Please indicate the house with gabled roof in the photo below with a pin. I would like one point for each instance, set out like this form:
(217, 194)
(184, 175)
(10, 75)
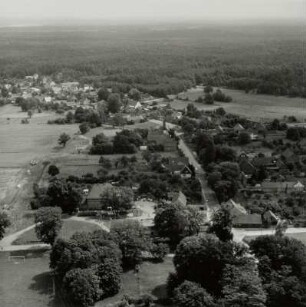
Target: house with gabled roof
(179, 166)
(179, 198)
(238, 128)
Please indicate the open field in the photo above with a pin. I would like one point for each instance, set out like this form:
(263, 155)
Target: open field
(26, 283)
(22, 142)
(68, 229)
(250, 105)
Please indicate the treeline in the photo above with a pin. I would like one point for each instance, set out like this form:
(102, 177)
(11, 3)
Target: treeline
(141, 58)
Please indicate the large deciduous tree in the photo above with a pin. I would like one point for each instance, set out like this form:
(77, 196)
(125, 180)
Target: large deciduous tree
(63, 139)
(48, 224)
(175, 222)
(132, 240)
(190, 294)
(222, 224)
(82, 286)
(114, 103)
(4, 223)
(242, 286)
(202, 259)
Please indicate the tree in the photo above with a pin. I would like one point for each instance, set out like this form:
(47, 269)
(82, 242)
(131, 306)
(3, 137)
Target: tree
(208, 89)
(120, 199)
(4, 223)
(82, 286)
(244, 138)
(64, 195)
(190, 294)
(53, 170)
(63, 139)
(106, 163)
(132, 240)
(242, 286)
(83, 250)
(114, 103)
(282, 251)
(225, 190)
(208, 155)
(293, 134)
(175, 222)
(203, 258)
(209, 99)
(84, 128)
(134, 94)
(159, 251)
(222, 224)
(109, 274)
(103, 94)
(69, 117)
(48, 224)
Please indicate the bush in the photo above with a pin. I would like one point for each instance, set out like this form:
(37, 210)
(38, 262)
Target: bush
(82, 286)
(159, 251)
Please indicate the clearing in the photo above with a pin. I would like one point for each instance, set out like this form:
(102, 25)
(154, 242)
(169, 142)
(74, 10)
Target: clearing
(250, 105)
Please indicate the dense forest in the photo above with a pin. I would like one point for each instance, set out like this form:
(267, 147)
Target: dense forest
(161, 60)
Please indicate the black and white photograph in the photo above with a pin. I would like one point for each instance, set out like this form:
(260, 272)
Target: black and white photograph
(153, 153)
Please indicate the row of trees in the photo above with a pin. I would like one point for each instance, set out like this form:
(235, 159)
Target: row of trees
(125, 142)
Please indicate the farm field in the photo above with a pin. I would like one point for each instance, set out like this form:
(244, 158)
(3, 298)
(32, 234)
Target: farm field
(69, 228)
(250, 105)
(21, 143)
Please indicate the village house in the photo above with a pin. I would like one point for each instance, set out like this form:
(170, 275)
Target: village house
(179, 198)
(94, 200)
(241, 219)
(271, 164)
(238, 128)
(248, 221)
(179, 166)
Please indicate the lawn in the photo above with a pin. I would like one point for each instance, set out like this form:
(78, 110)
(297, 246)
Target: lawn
(28, 283)
(250, 105)
(68, 229)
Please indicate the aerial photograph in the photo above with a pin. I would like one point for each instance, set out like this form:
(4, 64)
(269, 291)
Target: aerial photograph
(153, 153)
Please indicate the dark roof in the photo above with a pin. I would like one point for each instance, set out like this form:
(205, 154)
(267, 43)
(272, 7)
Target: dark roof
(249, 219)
(97, 190)
(247, 167)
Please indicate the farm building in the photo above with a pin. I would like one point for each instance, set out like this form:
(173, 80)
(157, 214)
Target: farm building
(247, 221)
(93, 200)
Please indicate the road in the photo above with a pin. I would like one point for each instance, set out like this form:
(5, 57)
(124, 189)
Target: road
(240, 233)
(6, 244)
(208, 194)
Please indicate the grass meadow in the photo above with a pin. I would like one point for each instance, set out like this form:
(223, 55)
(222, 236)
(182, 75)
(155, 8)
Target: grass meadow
(250, 105)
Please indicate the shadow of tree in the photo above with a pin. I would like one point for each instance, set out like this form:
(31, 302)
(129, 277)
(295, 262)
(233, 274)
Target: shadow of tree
(42, 283)
(160, 292)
